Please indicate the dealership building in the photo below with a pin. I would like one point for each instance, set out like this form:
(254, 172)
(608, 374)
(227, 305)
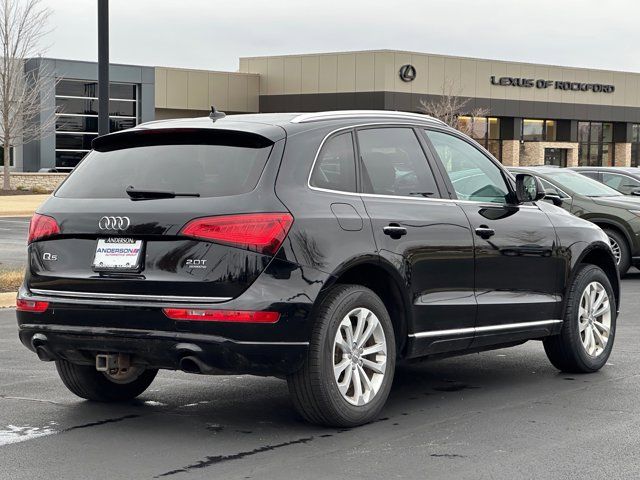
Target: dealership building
(526, 114)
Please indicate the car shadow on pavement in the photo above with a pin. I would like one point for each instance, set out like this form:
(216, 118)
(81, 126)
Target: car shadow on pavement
(253, 404)
(223, 419)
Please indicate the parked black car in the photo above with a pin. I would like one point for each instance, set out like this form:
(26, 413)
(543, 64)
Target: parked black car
(323, 248)
(625, 180)
(618, 215)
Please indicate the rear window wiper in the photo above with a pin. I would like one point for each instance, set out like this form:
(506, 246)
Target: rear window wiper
(141, 194)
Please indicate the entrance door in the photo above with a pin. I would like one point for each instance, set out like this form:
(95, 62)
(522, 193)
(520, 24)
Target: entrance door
(555, 156)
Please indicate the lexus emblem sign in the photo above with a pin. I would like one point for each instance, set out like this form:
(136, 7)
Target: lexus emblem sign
(407, 73)
(114, 223)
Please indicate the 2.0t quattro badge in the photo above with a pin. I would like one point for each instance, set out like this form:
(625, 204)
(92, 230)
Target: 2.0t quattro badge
(114, 223)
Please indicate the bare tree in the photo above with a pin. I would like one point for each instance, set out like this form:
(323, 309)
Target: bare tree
(450, 106)
(23, 25)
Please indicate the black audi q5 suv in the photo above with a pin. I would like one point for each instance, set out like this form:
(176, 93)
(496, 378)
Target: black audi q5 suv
(323, 248)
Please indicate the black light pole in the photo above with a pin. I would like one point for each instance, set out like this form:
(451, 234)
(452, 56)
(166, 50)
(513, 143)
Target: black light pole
(103, 67)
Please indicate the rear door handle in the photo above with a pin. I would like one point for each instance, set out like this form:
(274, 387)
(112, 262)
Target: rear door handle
(485, 232)
(394, 230)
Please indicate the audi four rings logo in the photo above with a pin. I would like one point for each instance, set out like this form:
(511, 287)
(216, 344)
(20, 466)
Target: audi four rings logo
(114, 223)
(407, 73)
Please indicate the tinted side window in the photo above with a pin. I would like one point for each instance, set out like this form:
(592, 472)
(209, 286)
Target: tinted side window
(622, 183)
(335, 168)
(473, 176)
(593, 175)
(394, 163)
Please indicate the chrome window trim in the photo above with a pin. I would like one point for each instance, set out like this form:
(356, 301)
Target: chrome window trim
(488, 328)
(377, 195)
(346, 114)
(129, 296)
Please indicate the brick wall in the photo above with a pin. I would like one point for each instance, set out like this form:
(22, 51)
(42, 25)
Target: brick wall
(40, 181)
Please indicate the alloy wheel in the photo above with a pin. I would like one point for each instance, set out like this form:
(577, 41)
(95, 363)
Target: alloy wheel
(594, 318)
(359, 356)
(616, 250)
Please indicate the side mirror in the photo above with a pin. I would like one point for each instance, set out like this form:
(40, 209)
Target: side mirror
(554, 197)
(528, 188)
(636, 192)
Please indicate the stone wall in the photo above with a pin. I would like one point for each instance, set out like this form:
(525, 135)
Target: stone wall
(510, 153)
(43, 182)
(623, 154)
(532, 153)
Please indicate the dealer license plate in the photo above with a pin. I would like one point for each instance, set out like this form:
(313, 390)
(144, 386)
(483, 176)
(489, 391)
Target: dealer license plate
(117, 254)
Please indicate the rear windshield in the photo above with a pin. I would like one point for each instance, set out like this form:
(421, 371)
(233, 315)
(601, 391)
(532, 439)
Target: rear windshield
(208, 170)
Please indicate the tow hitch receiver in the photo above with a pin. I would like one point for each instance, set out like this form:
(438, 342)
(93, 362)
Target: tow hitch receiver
(108, 362)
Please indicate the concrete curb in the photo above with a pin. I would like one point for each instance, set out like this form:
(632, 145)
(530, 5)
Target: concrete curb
(8, 299)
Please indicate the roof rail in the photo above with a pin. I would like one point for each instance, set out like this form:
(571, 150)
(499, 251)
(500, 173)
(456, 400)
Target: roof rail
(342, 114)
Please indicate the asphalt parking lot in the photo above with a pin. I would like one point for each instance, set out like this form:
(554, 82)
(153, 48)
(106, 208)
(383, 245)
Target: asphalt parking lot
(501, 414)
(13, 241)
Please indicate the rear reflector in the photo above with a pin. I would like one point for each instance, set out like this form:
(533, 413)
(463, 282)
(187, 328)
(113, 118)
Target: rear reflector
(34, 306)
(41, 227)
(238, 316)
(260, 232)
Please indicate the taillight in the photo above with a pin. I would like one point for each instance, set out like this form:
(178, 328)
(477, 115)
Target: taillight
(34, 306)
(260, 232)
(42, 226)
(238, 316)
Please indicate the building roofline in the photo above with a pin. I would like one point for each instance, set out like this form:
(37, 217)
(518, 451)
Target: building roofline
(440, 55)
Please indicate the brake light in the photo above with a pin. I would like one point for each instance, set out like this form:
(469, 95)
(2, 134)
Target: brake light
(237, 316)
(34, 306)
(260, 232)
(41, 227)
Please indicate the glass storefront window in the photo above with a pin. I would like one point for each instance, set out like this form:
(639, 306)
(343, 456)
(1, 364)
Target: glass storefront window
(494, 128)
(484, 130)
(479, 128)
(607, 132)
(583, 132)
(11, 164)
(607, 155)
(635, 145)
(596, 147)
(533, 130)
(550, 131)
(596, 132)
(77, 116)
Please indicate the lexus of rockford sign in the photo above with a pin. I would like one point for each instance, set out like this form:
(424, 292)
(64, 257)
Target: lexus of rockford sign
(556, 84)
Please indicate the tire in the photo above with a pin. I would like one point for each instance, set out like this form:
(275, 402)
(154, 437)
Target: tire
(567, 351)
(618, 239)
(86, 382)
(314, 388)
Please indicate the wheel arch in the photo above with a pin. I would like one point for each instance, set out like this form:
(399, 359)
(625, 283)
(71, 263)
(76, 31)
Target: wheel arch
(614, 225)
(384, 281)
(600, 255)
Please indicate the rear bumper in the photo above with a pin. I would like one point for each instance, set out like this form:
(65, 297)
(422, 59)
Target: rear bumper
(209, 354)
(76, 329)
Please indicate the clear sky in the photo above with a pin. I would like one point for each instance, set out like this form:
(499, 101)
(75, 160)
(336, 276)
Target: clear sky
(212, 34)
